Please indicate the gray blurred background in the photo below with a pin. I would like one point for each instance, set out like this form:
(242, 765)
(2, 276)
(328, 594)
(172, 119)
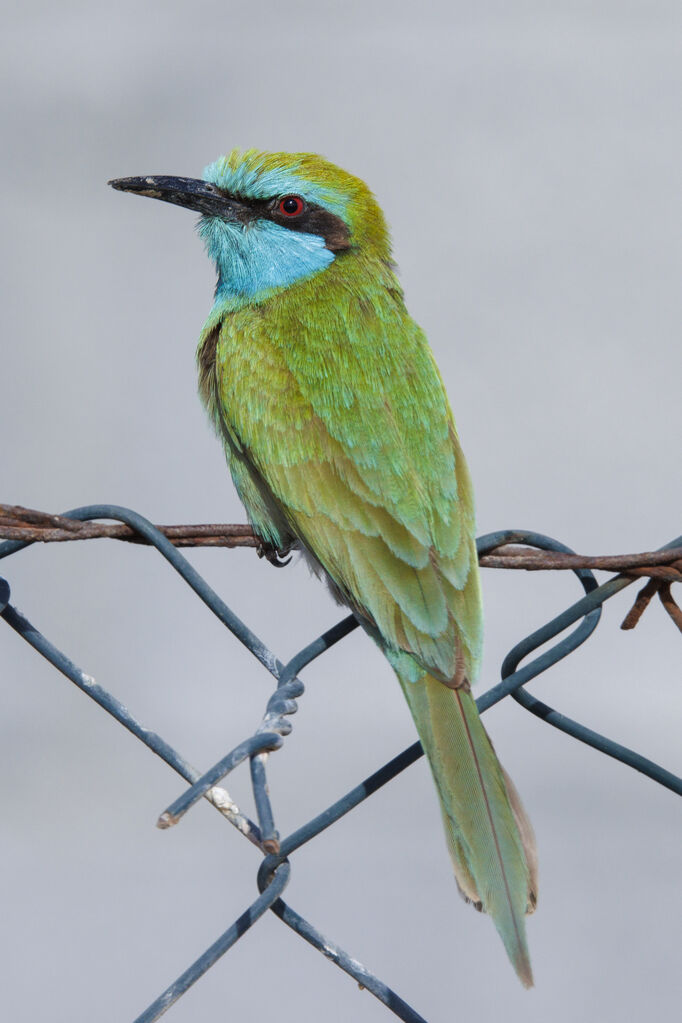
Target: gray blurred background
(528, 159)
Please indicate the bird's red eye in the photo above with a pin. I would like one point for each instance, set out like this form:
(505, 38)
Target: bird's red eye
(291, 206)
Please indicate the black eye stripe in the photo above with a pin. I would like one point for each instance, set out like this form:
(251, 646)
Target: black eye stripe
(311, 220)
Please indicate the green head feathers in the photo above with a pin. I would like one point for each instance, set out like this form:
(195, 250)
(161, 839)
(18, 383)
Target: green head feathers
(252, 174)
(270, 219)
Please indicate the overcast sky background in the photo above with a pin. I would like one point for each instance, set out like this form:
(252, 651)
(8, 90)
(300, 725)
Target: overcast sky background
(528, 159)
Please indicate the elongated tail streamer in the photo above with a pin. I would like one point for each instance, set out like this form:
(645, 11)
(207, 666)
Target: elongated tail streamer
(490, 839)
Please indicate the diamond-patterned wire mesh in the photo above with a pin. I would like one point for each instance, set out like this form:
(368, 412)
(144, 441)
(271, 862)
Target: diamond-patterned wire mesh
(519, 668)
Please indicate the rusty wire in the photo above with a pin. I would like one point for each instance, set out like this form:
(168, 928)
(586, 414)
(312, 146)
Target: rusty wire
(661, 567)
(510, 549)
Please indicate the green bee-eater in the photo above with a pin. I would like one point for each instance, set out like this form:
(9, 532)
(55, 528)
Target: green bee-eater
(341, 442)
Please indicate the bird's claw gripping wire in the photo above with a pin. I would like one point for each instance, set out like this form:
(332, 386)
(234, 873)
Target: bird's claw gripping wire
(276, 556)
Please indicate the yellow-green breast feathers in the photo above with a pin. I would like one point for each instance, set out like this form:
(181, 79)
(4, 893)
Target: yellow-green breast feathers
(333, 392)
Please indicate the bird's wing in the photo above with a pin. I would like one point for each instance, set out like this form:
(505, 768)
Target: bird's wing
(344, 416)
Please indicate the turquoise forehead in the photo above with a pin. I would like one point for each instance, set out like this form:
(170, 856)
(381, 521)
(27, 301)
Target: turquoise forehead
(254, 179)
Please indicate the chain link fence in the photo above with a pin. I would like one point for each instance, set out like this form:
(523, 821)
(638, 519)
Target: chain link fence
(508, 549)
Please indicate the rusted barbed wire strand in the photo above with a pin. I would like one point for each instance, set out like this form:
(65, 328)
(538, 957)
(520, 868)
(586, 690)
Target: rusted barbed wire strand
(18, 523)
(660, 567)
(641, 604)
(670, 605)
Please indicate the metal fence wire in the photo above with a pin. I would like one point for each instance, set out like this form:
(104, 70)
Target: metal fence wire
(662, 568)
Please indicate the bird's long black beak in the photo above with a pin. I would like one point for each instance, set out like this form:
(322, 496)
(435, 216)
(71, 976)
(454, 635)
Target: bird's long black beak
(191, 193)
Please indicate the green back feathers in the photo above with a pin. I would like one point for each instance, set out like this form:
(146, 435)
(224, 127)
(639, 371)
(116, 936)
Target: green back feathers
(332, 390)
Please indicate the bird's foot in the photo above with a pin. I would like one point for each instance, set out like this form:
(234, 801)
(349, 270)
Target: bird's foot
(277, 556)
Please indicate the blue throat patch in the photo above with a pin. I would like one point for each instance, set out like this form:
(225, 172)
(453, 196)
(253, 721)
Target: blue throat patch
(260, 256)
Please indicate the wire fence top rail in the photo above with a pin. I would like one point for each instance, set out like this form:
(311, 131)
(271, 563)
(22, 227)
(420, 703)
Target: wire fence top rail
(508, 549)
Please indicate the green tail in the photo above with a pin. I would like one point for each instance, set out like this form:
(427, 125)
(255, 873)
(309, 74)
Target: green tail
(488, 834)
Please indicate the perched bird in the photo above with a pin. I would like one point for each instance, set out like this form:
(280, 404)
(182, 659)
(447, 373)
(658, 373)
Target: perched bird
(341, 442)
